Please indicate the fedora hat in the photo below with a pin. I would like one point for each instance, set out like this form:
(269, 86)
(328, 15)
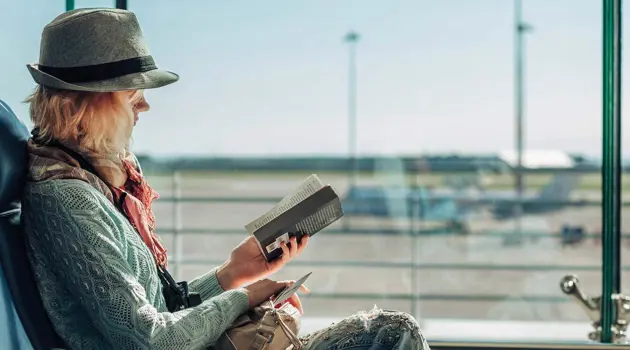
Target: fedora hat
(97, 50)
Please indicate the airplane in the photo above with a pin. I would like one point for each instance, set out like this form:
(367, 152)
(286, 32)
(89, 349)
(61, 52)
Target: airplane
(551, 198)
(455, 210)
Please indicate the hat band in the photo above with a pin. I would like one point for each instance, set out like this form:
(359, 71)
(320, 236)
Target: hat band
(101, 71)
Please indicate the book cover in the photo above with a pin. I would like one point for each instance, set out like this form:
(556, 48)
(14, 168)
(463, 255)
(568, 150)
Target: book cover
(311, 207)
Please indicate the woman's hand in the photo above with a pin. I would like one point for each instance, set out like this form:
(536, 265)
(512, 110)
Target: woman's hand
(264, 289)
(247, 263)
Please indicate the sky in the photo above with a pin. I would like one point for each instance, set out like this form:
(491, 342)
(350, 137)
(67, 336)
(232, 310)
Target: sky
(270, 77)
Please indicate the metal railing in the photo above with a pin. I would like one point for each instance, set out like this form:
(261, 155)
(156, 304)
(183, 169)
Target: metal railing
(177, 260)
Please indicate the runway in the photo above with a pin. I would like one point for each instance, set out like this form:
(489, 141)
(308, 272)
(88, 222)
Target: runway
(483, 275)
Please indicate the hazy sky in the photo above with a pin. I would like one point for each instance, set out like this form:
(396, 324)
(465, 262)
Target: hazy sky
(269, 77)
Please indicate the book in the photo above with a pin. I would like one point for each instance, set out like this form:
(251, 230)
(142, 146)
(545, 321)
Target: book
(308, 209)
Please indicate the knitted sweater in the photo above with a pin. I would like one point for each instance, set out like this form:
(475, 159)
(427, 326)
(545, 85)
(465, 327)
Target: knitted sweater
(98, 281)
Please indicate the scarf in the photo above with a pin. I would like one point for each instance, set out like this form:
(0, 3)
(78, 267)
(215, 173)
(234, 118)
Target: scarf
(118, 178)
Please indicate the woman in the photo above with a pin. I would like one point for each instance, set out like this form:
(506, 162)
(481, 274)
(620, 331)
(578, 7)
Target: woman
(87, 210)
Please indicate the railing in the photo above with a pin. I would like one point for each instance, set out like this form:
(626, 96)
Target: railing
(177, 260)
(435, 329)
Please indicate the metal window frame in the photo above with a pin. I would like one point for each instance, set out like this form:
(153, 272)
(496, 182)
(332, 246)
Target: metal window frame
(120, 4)
(611, 167)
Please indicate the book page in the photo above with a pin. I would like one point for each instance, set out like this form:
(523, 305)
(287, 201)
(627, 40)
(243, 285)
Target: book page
(309, 186)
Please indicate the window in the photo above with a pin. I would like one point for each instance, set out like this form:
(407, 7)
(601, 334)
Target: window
(411, 112)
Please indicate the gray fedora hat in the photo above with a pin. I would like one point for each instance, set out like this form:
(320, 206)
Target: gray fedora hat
(98, 50)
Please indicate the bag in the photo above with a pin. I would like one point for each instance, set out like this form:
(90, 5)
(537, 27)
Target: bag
(263, 328)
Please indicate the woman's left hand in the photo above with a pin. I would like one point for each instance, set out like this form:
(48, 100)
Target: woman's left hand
(294, 299)
(247, 263)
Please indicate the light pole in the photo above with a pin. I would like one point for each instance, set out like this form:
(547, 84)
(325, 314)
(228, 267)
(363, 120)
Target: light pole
(352, 38)
(521, 28)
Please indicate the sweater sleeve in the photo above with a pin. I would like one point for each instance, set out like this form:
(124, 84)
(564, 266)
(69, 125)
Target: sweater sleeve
(207, 285)
(89, 243)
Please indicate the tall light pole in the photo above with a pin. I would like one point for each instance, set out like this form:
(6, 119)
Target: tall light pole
(352, 38)
(521, 28)
(121, 4)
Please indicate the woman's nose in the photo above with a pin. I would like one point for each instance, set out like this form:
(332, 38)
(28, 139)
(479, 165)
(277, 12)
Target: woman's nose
(142, 106)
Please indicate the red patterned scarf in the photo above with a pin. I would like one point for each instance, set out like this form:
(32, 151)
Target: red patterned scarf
(120, 180)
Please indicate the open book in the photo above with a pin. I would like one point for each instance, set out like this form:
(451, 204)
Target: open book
(311, 207)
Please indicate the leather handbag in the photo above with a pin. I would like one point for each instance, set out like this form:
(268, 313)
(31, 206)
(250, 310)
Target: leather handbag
(264, 328)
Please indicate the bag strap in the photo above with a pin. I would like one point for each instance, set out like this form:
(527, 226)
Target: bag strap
(266, 330)
(295, 341)
(264, 333)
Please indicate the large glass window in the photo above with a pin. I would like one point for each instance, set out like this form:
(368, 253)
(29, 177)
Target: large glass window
(429, 102)
(413, 112)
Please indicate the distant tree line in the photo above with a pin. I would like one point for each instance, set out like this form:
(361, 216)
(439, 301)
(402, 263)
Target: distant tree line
(447, 164)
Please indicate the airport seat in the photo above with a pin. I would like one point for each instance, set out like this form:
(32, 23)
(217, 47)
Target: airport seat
(14, 264)
(12, 335)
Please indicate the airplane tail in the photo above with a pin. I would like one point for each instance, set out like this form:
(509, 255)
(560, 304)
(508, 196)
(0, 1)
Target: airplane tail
(550, 198)
(553, 195)
(560, 187)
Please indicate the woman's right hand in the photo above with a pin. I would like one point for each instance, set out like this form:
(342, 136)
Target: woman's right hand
(264, 289)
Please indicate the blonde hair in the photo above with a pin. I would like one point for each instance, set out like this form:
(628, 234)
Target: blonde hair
(98, 121)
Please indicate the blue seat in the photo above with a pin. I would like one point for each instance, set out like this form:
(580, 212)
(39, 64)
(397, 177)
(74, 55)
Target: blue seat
(15, 271)
(12, 335)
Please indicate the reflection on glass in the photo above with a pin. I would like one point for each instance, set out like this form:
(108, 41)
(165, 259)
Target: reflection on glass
(433, 224)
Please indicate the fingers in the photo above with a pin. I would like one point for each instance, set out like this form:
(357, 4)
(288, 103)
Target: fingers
(303, 243)
(304, 289)
(261, 290)
(291, 252)
(269, 282)
(280, 285)
(295, 301)
(286, 253)
(269, 289)
(274, 287)
(294, 246)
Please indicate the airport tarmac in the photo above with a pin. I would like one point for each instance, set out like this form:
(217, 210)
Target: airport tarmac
(482, 275)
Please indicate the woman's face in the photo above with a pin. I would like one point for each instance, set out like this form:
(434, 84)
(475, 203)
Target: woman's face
(138, 103)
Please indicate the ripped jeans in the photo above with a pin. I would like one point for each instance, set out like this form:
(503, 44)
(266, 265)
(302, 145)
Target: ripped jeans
(372, 330)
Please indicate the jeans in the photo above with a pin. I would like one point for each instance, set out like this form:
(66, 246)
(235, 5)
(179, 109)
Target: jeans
(372, 330)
